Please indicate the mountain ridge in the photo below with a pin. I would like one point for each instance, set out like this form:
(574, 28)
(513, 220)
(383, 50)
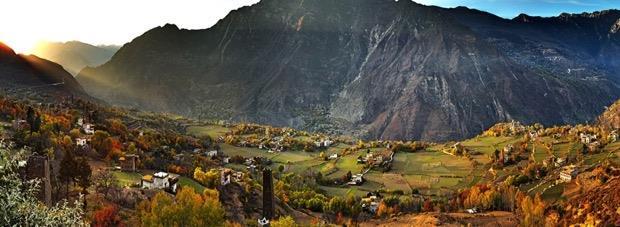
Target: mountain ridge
(28, 73)
(75, 55)
(417, 72)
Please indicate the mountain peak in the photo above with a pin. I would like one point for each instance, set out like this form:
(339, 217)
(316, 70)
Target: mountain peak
(6, 50)
(170, 26)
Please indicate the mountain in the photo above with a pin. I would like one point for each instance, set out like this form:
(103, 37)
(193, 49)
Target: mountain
(409, 72)
(74, 55)
(26, 74)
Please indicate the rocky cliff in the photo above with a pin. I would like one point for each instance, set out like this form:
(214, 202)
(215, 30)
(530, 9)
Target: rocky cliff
(375, 68)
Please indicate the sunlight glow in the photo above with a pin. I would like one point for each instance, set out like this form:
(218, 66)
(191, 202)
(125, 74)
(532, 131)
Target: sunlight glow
(23, 23)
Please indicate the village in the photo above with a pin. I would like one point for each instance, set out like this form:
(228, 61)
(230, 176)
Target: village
(411, 174)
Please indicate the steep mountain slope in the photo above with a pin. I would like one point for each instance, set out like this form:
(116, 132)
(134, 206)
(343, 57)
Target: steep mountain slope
(409, 72)
(610, 119)
(20, 74)
(74, 55)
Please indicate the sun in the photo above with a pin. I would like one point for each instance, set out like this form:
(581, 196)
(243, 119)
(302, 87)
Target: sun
(23, 45)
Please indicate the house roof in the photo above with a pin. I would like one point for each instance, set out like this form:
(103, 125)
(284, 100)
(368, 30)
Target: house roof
(161, 175)
(148, 178)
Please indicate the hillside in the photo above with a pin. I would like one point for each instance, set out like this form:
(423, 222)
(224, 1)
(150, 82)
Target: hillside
(21, 74)
(412, 72)
(74, 56)
(610, 119)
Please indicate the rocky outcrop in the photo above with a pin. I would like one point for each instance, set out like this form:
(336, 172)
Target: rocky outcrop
(409, 72)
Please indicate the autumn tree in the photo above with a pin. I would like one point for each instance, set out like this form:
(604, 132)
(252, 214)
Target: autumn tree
(286, 221)
(533, 211)
(104, 179)
(209, 179)
(107, 216)
(98, 141)
(187, 208)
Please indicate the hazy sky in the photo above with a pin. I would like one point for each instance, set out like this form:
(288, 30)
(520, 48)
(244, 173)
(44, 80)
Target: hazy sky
(24, 22)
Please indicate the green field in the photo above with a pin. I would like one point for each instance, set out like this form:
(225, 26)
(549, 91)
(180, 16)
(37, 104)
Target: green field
(488, 144)
(431, 163)
(540, 153)
(293, 156)
(340, 191)
(187, 182)
(212, 131)
(246, 152)
(126, 178)
(346, 164)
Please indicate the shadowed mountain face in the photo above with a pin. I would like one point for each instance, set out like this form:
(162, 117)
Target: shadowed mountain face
(20, 74)
(74, 56)
(377, 68)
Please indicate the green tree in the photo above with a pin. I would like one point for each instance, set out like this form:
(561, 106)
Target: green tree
(84, 173)
(20, 207)
(36, 124)
(337, 205)
(68, 168)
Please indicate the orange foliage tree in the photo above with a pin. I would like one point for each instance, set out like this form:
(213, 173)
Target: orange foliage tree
(106, 216)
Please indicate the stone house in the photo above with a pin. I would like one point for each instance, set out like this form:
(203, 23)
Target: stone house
(161, 180)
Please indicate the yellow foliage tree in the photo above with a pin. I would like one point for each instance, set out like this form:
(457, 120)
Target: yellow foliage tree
(187, 208)
(533, 211)
(284, 222)
(209, 179)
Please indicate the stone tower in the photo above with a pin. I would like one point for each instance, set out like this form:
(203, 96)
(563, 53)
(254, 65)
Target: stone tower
(268, 204)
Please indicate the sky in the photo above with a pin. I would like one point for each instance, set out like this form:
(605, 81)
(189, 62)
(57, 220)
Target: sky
(23, 23)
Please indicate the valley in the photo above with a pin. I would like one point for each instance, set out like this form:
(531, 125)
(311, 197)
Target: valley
(295, 113)
(312, 171)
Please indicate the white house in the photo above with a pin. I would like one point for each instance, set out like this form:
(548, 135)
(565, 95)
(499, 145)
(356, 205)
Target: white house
(472, 210)
(587, 138)
(333, 156)
(356, 179)
(81, 142)
(212, 153)
(370, 203)
(568, 173)
(80, 122)
(160, 180)
(89, 129)
(323, 143)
